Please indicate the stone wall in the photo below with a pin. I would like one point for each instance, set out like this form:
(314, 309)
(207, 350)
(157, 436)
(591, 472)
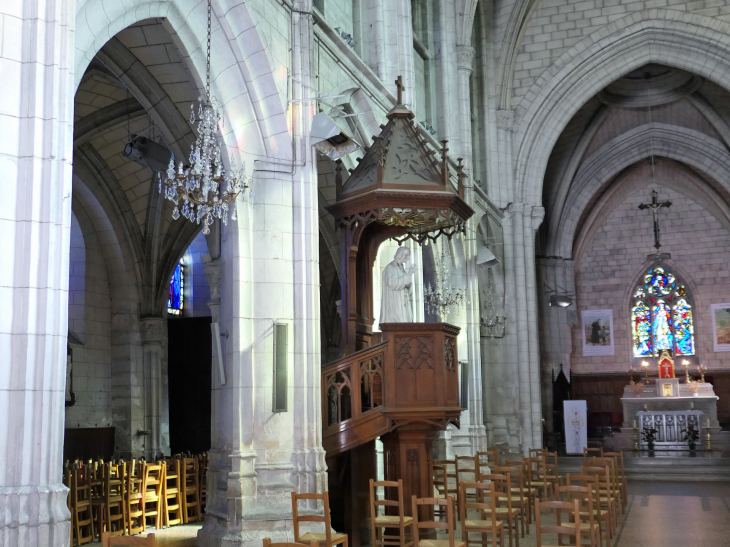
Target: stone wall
(90, 323)
(557, 25)
(196, 290)
(608, 271)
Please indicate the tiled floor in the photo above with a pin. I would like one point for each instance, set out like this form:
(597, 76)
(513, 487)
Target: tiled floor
(663, 514)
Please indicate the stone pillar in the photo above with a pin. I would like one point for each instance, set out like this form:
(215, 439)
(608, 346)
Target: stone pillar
(36, 111)
(554, 326)
(269, 274)
(218, 461)
(157, 429)
(472, 436)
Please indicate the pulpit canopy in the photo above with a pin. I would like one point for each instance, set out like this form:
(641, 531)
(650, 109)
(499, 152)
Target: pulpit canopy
(401, 183)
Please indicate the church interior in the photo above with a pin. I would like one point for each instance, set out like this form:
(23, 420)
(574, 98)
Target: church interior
(416, 273)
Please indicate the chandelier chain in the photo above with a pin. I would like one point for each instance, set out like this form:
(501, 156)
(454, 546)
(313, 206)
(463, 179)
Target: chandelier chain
(207, 58)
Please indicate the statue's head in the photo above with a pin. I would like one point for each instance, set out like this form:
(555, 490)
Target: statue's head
(402, 255)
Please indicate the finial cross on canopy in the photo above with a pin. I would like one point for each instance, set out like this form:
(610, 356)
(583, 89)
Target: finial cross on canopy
(655, 205)
(400, 86)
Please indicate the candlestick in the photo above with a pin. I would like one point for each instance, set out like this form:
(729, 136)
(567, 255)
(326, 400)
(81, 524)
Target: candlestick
(686, 370)
(645, 364)
(703, 369)
(634, 424)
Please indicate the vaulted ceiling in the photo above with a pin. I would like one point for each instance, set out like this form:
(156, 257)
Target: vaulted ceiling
(137, 84)
(670, 120)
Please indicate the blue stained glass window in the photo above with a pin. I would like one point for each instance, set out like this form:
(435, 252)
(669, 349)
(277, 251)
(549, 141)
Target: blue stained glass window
(661, 315)
(683, 328)
(641, 323)
(175, 293)
(662, 327)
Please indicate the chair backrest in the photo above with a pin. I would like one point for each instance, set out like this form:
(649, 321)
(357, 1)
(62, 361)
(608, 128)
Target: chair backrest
(604, 476)
(619, 459)
(375, 502)
(571, 508)
(590, 452)
(516, 477)
(584, 494)
(107, 540)
(297, 518)
(446, 476)
(613, 467)
(583, 480)
(489, 456)
(152, 479)
(486, 500)
(551, 463)
(467, 468)
(419, 525)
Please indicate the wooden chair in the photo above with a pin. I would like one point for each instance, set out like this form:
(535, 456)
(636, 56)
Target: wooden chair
(537, 477)
(82, 521)
(443, 483)
(107, 540)
(486, 504)
(467, 470)
(520, 497)
(606, 497)
(589, 452)
(172, 509)
(379, 523)
(190, 491)
(431, 504)
(502, 485)
(133, 494)
(552, 472)
(153, 478)
(615, 480)
(529, 491)
(110, 502)
(586, 518)
(267, 543)
(618, 457)
(489, 456)
(601, 516)
(571, 508)
(328, 539)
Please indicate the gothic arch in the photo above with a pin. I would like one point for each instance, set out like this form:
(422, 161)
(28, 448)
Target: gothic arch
(702, 153)
(242, 76)
(653, 36)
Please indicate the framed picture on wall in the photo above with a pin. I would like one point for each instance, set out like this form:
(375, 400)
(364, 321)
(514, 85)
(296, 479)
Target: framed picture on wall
(721, 326)
(597, 332)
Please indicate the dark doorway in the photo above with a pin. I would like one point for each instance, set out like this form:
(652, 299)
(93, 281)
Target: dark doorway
(189, 381)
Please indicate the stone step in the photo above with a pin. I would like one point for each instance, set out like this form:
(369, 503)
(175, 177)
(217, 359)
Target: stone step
(672, 467)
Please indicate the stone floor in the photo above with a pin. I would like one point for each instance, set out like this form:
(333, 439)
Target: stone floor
(659, 514)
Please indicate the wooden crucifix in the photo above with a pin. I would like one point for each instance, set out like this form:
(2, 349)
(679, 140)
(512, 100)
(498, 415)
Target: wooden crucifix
(655, 205)
(400, 86)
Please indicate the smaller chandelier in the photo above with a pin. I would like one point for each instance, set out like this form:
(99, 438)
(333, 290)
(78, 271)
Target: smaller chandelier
(492, 319)
(442, 297)
(204, 191)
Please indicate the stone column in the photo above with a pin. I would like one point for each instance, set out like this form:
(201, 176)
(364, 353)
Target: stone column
(270, 275)
(157, 436)
(36, 111)
(554, 326)
(472, 436)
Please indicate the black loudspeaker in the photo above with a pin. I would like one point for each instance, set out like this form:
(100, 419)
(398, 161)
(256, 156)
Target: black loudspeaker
(281, 383)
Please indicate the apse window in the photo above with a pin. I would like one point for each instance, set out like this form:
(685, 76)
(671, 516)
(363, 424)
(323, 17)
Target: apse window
(175, 293)
(661, 315)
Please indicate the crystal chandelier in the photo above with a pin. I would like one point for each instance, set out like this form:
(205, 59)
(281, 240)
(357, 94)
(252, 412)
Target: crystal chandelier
(492, 318)
(204, 191)
(442, 297)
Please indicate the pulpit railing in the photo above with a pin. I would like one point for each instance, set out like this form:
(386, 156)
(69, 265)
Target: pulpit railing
(353, 386)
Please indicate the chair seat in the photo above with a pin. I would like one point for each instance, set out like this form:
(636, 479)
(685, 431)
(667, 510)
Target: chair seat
(515, 499)
(392, 519)
(440, 543)
(481, 524)
(313, 536)
(583, 525)
(505, 511)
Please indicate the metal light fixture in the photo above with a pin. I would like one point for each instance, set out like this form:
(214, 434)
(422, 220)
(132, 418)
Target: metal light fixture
(329, 139)
(560, 298)
(442, 297)
(204, 191)
(486, 258)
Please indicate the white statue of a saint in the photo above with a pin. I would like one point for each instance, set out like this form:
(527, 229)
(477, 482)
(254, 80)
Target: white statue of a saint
(395, 306)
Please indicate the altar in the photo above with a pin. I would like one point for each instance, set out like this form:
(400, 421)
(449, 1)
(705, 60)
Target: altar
(670, 411)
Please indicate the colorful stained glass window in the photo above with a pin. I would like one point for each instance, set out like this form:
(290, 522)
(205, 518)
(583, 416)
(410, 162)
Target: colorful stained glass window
(661, 327)
(641, 323)
(175, 293)
(683, 328)
(659, 282)
(661, 315)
